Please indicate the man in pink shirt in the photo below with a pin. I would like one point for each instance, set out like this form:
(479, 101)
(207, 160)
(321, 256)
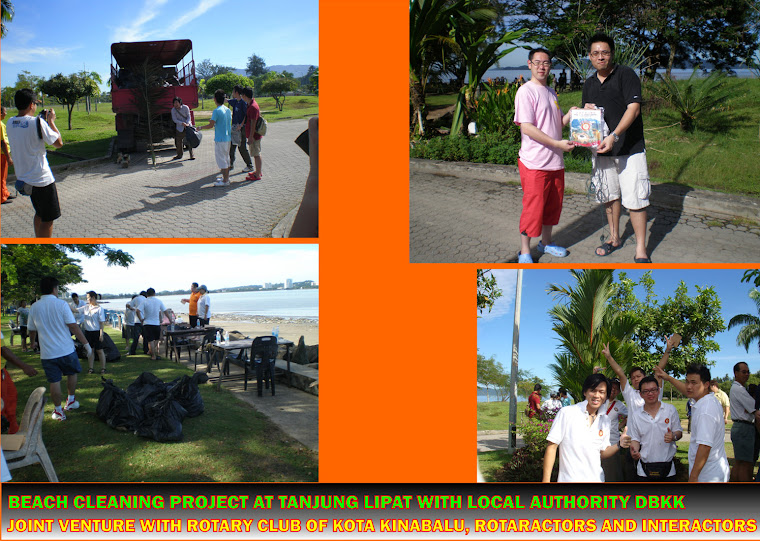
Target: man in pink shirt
(541, 164)
(254, 139)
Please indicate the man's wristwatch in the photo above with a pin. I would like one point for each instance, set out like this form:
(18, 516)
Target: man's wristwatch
(616, 136)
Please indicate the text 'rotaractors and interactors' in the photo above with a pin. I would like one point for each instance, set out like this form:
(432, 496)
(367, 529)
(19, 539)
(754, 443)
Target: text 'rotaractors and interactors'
(340, 503)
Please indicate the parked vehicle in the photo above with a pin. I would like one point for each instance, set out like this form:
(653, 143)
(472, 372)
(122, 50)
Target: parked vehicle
(172, 74)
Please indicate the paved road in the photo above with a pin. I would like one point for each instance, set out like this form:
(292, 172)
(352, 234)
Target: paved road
(176, 198)
(458, 216)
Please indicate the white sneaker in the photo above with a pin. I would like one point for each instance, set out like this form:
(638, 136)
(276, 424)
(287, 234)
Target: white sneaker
(248, 169)
(58, 416)
(221, 183)
(71, 405)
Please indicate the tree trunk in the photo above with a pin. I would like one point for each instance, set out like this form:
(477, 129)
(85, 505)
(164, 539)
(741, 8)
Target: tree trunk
(418, 107)
(671, 58)
(71, 110)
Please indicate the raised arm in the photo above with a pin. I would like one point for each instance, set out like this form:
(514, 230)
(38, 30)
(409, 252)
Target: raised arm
(615, 366)
(660, 374)
(673, 342)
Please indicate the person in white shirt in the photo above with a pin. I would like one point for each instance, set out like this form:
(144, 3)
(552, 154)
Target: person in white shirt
(51, 319)
(77, 303)
(707, 454)
(745, 415)
(137, 304)
(617, 413)
(582, 433)
(631, 392)
(153, 311)
(30, 158)
(94, 326)
(204, 306)
(654, 431)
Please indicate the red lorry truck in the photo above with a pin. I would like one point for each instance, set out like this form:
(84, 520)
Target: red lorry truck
(173, 74)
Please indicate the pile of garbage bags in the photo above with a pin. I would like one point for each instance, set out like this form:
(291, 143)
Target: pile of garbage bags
(150, 407)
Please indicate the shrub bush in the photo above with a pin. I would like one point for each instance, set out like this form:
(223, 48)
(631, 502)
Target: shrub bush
(527, 463)
(485, 148)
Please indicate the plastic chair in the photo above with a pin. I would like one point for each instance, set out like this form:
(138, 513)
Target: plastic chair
(33, 451)
(202, 348)
(263, 355)
(14, 331)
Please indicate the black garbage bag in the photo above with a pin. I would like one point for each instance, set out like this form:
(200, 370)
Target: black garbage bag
(185, 391)
(163, 421)
(193, 136)
(147, 389)
(117, 409)
(110, 349)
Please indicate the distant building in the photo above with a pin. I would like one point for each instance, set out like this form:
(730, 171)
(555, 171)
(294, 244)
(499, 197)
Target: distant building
(268, 285)
(288, 283)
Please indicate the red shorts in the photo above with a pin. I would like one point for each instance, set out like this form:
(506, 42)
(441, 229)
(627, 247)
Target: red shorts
(542, 199)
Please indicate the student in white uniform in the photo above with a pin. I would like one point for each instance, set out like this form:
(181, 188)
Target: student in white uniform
(631, 392)
(582, 433)
(617, 413)
(94, 326)
(654, 431)
(743, 433)
(707, 454)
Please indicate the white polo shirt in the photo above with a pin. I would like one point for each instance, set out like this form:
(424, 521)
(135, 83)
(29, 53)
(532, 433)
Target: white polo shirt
(93, 315)
(152, 308)
(79, 316)
(650, 433)
(614, 410)
(50, 317)
(708, 428)
(742, 403)
(633, 398)
(580, 445)
(138, 303)
(204, 306)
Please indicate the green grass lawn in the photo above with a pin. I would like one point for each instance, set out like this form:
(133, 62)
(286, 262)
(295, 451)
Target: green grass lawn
(719, 155)
(495, 415)
(229, 442)
(90, 136)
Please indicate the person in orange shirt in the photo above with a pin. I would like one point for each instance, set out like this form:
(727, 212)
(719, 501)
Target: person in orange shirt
(195, 294)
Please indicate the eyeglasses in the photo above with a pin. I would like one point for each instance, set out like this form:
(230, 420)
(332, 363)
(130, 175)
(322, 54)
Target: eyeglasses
(650, 391)
(597, 54)
(545, 63)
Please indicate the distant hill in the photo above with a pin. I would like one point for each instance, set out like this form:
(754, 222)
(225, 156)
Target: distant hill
(298, 70)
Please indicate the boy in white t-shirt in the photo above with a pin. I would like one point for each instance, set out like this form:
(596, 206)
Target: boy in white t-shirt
(542, 167)
(30, 159)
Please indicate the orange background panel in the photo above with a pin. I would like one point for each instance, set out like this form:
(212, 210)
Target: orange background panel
(397, 385)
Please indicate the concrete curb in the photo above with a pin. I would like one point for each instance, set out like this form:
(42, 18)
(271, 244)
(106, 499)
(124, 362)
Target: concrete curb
(669, 195)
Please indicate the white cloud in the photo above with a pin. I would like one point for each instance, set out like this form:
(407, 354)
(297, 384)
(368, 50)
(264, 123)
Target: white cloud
(202, 7)
(136, 31)
(506, 280)
(35, 54)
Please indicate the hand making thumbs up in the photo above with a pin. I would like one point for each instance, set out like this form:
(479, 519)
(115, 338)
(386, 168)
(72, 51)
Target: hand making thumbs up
(669, 436)
(625, 439)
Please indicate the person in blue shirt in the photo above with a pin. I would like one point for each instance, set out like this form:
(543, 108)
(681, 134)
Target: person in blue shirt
(221, 121)
(239, 108)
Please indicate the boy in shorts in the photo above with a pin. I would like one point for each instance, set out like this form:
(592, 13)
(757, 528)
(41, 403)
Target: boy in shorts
(30, 158)
(541, 164)
(221, 121)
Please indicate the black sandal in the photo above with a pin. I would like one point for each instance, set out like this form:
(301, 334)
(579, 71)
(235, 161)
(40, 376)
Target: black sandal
(90, 371)
(607, 248)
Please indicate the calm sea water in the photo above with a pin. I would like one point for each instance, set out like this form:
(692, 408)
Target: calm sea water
(296, 303)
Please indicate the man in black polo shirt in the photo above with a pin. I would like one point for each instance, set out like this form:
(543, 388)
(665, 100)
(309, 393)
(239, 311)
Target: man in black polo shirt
(621, 164)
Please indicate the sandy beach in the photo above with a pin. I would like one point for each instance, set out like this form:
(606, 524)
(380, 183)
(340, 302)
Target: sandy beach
(290, 328)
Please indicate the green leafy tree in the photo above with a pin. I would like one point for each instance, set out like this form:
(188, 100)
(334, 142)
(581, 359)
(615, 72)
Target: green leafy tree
(6, 15)
(24, 265)
(227, 82)
(256, 66)
(314, 81)
(696, 318)
(488, 290)
(67, 89)
(752, 276)
(278, 87)
(207, 69)
(526, 382)
(585, 321)
(750, 324)
(489, 372)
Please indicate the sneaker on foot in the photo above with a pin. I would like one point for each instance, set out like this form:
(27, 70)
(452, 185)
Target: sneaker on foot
(247, 169)
(58, 416)
(71, 405)
(551, 249)
(221, 183)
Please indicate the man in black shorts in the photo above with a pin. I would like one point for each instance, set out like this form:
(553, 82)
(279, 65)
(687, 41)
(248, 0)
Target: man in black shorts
(28, 138)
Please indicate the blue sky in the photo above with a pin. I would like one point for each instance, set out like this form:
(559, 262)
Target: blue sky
(49, 37)
(538, 342)
(176, 266)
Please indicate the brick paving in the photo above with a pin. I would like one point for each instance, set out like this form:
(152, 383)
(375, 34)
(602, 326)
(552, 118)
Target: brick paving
(176, 198)
(456, 219)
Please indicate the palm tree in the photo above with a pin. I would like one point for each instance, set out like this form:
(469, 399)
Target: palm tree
(751, 324)
(6, 15)
(584, 322)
